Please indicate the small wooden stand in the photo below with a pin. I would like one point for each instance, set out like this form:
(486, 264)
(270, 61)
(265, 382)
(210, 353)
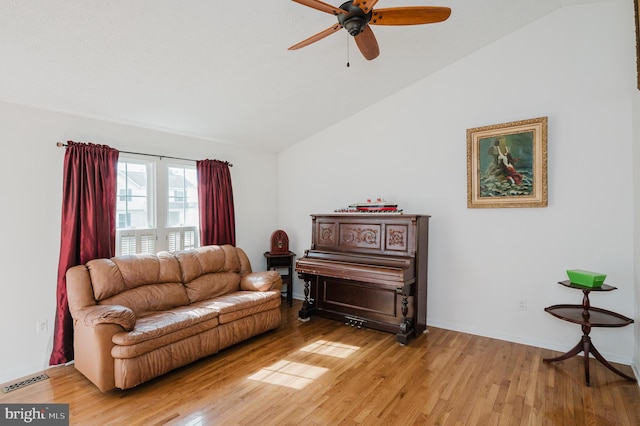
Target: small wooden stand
(285, 260)
(588, 317)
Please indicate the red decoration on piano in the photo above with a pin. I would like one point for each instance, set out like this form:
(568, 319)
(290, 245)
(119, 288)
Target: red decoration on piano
(378, 206)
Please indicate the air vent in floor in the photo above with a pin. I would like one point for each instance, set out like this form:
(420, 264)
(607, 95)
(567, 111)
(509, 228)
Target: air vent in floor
(24, 383)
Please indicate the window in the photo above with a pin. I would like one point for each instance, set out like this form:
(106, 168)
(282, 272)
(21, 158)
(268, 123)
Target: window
(182, 208)
(135, 202)
(157, 206)
(125, 194)
(124, 220)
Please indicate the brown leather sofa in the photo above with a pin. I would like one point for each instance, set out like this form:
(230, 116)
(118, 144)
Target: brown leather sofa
(137, 317)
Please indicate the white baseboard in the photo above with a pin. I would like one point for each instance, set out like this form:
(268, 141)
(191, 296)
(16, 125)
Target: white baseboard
(625, 360)
(617, 358)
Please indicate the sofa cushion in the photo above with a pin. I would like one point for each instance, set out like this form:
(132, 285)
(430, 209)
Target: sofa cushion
(161, 324)
(210, 271)
(241, 304)
(245, 264)
(231, 259)
(180, 336)
(112, 276)
(200, 261)
(211, 285)
(144, 283)
(233, 332)
(150, 298)
(206, 260)
(261, 281)
(142, 269)
(131, 371)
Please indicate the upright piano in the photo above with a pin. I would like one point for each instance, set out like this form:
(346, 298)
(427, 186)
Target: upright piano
(368, 270)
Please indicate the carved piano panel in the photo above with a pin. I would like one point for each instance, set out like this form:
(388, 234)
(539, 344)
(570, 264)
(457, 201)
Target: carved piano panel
(368, 270)
(384, 235)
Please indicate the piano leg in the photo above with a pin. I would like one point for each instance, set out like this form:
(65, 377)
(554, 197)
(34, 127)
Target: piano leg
(406, 326)
(308, 307)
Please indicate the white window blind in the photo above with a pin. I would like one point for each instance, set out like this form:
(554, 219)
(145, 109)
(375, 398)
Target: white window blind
(184, 238)
(132, 241)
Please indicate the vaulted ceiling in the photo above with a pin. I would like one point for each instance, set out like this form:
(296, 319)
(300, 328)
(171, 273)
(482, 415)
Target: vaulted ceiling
(221, 71)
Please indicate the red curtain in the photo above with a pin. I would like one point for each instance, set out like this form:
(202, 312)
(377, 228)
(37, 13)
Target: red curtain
(88, 226)
(215, 198)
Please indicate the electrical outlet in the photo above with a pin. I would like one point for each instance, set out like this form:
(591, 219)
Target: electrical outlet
(522, 305)
(42, 326)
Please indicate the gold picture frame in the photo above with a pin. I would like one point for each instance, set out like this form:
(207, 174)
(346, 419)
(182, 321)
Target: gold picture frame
(507, 165)
(637, 19)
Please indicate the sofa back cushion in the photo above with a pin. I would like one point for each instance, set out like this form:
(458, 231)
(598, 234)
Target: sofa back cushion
(144, 283)
(209, 271)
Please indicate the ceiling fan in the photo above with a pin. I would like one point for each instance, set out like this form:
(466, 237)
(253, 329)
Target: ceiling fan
(356, 16)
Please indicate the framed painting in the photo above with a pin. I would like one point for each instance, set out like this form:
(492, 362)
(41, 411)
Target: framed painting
(507, 165)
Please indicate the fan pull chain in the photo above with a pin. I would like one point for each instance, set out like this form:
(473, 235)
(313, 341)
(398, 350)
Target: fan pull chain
(348, 50)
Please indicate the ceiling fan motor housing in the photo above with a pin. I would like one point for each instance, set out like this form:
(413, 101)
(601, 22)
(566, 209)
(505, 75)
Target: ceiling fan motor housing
(355, 19)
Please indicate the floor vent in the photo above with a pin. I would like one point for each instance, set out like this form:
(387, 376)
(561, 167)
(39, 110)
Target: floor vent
(27, 382)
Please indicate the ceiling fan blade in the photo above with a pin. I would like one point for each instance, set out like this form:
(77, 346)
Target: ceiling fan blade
(321, 6)
(316, 37)
(365, 5)
(410, 15)
(367, 43)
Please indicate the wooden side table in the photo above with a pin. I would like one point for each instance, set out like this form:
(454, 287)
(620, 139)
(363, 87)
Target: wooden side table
(275, 261)
(588, 317)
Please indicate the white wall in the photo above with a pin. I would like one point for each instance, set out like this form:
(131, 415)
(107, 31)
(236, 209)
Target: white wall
(636, 223)
(31, 194)
(576, 66)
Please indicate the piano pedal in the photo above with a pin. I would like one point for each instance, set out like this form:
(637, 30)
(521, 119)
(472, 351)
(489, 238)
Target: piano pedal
(354, 321)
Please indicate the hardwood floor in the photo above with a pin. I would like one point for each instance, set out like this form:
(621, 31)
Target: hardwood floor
(324, 373)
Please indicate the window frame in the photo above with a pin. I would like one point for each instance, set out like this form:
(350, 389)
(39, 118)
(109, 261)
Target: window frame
(158, 209)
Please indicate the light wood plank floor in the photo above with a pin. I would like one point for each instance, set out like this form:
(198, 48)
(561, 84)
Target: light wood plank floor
(325, 373)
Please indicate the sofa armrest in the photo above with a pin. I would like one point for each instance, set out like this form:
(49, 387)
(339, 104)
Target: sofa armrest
(261, 281)
(107, 314)
(93, 330)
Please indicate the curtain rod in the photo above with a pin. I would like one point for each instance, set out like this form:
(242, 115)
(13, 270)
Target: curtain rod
(61, 144)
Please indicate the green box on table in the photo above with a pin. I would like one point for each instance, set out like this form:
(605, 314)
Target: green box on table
(586, 278)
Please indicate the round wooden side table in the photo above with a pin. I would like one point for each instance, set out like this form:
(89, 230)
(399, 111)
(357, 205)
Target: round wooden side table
(588, 316)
